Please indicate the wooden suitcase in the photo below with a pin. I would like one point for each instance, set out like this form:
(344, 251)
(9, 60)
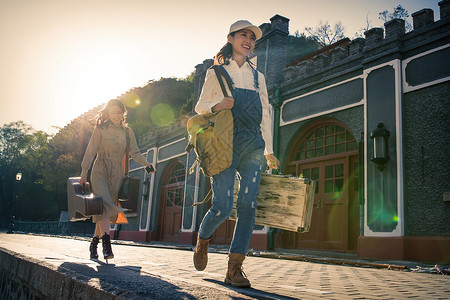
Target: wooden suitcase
(82, 204)
(284, 202)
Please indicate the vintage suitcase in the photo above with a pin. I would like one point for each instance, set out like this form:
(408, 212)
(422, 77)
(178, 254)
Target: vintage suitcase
(284, 202)
(82, 204)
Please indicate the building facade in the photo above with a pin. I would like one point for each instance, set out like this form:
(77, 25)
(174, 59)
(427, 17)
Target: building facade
(367, 119)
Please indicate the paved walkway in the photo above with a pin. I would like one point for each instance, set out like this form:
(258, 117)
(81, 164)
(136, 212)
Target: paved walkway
(143, 272)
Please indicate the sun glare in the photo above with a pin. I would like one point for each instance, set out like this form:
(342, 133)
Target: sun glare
(131, 99)
(162, 114)
(92, 74)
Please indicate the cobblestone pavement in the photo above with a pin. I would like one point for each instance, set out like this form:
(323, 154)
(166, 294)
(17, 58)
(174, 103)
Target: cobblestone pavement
(270, 278)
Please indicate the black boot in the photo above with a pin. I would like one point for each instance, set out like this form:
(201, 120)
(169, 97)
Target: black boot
(93, 247)
(107, 251)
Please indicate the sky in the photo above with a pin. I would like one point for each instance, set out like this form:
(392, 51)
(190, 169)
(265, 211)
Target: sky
(61, 58)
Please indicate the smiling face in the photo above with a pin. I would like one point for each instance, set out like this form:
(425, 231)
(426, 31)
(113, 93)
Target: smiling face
(115, 115)
(243, 43)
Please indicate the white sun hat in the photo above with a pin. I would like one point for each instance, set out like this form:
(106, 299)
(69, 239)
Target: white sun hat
(244, 24)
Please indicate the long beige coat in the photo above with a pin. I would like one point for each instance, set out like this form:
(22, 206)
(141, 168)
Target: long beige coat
(109, 143)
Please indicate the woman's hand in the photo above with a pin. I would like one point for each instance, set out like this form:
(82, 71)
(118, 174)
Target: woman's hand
(83, 181)
(272, 161)
(226, 103)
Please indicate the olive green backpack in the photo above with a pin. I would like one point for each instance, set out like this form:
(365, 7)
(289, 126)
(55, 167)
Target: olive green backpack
(211, 136)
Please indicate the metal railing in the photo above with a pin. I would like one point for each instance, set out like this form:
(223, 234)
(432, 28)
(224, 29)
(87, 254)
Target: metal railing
(55, 227)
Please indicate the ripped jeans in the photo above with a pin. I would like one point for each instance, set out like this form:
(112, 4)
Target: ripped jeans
(248, 158)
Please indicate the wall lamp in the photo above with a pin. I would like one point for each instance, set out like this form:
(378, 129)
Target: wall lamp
(146, 187)
(380, 138)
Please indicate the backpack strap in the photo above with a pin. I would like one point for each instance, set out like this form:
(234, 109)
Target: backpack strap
(127, 151)
(191, 169)
(220, 72)
(227, 77)
(206, 199)
(255, 75)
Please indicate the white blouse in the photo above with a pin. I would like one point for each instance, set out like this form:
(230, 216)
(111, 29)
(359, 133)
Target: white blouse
(242, 78)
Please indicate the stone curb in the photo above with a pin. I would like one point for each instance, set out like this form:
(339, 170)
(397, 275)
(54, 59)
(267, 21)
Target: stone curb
(47, 282)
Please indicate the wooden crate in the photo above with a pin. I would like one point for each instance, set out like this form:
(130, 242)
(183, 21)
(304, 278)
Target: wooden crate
(284, 202)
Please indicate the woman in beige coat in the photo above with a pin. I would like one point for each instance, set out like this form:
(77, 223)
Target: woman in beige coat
(108, 142)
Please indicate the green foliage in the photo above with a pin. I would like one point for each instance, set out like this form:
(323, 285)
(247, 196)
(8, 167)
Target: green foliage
(45, 165)
(140, 127)
(66, 153)
(172, 92)
(14, 138)
(188, 106)
(190, 77)
(23, 150)
(299, 46)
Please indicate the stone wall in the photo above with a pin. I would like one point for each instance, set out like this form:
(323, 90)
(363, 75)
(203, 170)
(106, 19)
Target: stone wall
(426, 115)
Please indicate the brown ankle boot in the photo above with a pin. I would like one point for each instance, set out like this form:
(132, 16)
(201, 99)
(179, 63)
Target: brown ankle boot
(201, 254)
(235, 274)
(107, 250)
(93, 247)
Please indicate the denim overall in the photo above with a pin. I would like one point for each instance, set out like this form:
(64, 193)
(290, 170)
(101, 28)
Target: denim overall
(248, 158)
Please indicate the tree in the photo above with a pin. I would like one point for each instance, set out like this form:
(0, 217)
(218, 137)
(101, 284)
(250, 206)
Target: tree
(398, 13)
(12, 137)
(188, 106)
(66, 151)
(324, 34)
(300, 45)
(368, 26)
(190, 77)
(45, 163)
(23, 150)
(13, 140)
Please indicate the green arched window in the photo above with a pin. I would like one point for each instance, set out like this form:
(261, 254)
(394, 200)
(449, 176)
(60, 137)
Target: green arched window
(326, 139)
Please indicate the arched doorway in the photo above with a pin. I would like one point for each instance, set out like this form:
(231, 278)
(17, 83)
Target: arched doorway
(171, 203)
(327, 152)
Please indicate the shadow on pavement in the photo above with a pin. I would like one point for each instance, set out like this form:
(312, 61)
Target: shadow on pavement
(257, 294)
(124, 280)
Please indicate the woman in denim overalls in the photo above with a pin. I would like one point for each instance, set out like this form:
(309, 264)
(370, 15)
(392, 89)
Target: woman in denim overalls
(252, 140)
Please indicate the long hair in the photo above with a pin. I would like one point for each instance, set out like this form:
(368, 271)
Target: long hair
(103, 116)
(224, 54)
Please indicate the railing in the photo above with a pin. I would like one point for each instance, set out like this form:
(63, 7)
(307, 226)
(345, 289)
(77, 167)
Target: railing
(55, 227)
